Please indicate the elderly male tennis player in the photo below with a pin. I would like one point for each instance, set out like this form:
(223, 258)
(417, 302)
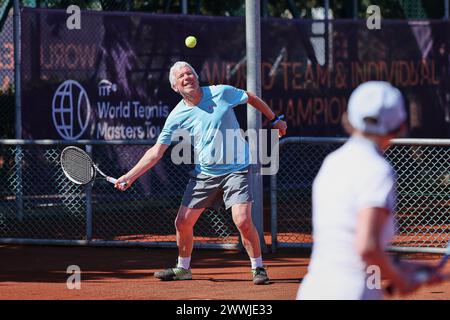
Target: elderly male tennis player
(353, 203)
(207, 112)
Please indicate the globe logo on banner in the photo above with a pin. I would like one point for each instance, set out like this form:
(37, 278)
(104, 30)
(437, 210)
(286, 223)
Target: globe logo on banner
(71, 110)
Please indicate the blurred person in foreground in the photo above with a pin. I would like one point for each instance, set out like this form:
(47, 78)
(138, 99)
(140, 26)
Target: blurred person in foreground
(353, 201)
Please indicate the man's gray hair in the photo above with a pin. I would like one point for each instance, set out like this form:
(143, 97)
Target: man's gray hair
(177, 66)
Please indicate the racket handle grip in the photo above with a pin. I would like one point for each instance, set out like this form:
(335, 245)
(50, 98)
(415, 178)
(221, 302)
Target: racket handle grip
(113, 181)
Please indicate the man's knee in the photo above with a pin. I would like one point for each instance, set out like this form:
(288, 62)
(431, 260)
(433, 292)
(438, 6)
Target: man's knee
(244, 223)
(186, 218)
(181, 223)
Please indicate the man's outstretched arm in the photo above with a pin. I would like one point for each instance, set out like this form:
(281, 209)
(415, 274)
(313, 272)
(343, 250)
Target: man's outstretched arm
(148, 160)
(260, 105)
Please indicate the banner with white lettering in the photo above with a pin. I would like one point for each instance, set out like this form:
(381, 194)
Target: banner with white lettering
(108, 79)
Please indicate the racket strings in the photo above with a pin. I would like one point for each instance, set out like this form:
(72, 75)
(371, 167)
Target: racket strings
(77, 165)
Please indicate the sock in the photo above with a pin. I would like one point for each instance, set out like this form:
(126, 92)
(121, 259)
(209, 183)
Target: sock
(256, 262)
(184, 262)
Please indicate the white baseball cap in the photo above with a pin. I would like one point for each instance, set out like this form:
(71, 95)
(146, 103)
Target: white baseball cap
(376, 107)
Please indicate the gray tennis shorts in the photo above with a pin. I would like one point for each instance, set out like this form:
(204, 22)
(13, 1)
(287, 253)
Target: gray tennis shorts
(205, 191)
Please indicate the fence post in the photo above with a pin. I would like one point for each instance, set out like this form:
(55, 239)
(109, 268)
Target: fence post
(273, 211)
(18, 157)
(446, 7)
(89, 203)
(355, 9)
(253, 41)
(17, 83)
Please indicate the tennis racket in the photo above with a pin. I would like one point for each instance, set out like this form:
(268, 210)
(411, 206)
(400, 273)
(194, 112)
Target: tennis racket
(79, 168)
(424, 274)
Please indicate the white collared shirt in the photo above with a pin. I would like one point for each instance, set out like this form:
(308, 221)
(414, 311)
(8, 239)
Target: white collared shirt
(352, 178)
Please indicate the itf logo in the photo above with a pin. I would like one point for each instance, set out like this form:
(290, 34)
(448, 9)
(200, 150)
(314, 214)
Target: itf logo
(105, 87)
(71, 110)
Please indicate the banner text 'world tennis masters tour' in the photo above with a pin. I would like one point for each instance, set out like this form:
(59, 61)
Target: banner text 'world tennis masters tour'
(128, 110)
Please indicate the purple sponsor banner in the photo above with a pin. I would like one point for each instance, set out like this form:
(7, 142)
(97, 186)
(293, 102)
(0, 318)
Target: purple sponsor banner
(109, 80)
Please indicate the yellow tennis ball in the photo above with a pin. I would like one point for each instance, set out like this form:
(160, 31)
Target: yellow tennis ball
(190, 42)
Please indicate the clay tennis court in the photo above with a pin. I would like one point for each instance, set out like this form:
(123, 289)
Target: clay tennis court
(39, 272)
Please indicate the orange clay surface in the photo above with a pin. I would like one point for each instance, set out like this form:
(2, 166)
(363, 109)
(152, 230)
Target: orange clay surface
(39, 272)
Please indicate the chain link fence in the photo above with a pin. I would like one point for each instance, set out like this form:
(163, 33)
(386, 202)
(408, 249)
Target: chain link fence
(39, 204)
(423, 190)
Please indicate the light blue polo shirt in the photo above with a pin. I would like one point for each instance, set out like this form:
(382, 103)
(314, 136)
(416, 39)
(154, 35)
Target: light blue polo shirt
(215, 134)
